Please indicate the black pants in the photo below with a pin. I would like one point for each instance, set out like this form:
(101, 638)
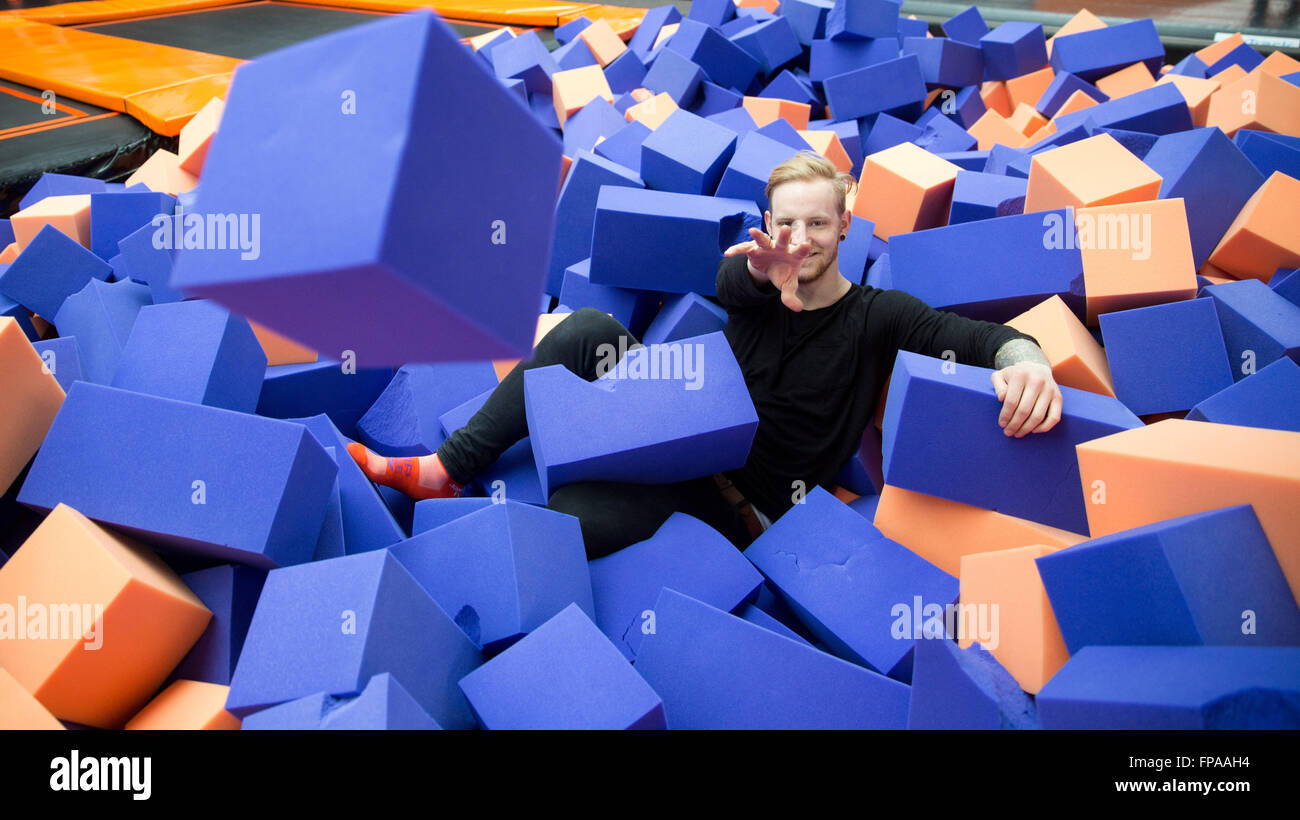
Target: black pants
(613, 515)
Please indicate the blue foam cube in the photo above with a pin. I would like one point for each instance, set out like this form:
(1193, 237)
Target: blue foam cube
(291, 391)
(686, 154)
(575, 211)
(807, 17)
(1061, 88)
(1160, 109)
(894, 86)
(773, 43)
(956, 688)
(51, 268)
(61, 358)
(403, 421)
(725, 63)
(967, 26)
(674, 75)
(231, 593)
(861, 19)
(751, 166)
(383, 704)
(59, 185)
(949, 63)
(1259, 326)
(1094, 54)
(149, 264)
(977, 196)
(648, 31)
(1014, 49)
(624, 148)
(828, 58)
(1267, 399)
(101, 315)
(115, 216)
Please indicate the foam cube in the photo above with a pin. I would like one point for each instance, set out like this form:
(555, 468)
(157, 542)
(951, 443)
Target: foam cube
(773, 43)
(188, 705)
(627, 248)
(676, 76)
(686, 154)
(106, 653)
(888, 131)
(178, 475)
(1270, 152)
(352, 246)
(1166, 358)
(1258, 101)
(383, 704)
(51, 268)
(903, 189)
(594, 121)
(765, 110)
(717, 671)
(1258, 325)
(828, 58)
(1095, 53)
(726, 63)
(163, 173)
(326, 386)
(115, 216)
(1077, 359)
(1262, 238)
(19, 710)
(684, 554)
(149, 264)
(956, 688)
(653, 405)
(70, 215)
(196, 136)
(977, 196)
(502, 571)
(1094, 171)
(566, 33)
(279, 349)
(1032, 469)
(101, 316)
(573, 88)
(1197, 92)
(1048, 263)
(858, 19)
(1063, 86)
(647, 32)
(942, 136)
(633, 309)
(966, 27)
(841, 577)
(576, 209)
(944, 62)
(606, 46)
(30, 401)
(51, 185)
(1013, 49)
(943, 532)
(525, 57)
(992, 129)
(623, 148)
(514, 474)
(1161, 109)
(808, 17)
(750, 167)
(332, 625)
(1174, 687)
(827, 143)
(230, 593)
(683, 316)
(403, 421)
(896, 86)
(60, 359)
(1267, 399)
(432, 513)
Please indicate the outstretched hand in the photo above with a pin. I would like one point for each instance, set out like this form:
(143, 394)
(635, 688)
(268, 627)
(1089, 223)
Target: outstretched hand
(1031, 401)
(776, 260)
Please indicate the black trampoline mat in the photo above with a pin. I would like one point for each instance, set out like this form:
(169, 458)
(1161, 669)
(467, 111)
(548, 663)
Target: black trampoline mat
(16, 111)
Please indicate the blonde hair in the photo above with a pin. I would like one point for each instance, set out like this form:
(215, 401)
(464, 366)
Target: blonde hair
(808, 166)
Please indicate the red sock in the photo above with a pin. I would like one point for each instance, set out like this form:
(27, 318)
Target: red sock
(420, 478)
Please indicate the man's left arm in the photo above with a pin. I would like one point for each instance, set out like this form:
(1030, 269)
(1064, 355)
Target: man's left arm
(1022, 378)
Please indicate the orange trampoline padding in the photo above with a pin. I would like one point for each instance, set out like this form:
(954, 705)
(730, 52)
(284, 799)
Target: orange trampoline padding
(19, 710)
(187, 704)
(1178, 467)
(942, 531)
(104, 620)
(29, 401)
(101, 11)
(1028, 642)
(504, 12)
(169, 109)
(1077, 359)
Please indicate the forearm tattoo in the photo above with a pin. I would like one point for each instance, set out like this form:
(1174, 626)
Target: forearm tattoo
(1017, 351)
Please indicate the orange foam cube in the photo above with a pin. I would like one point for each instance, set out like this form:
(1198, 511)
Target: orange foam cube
(69, 214)
(573, 88)
(604, 42)
(99, 620)
(1135, 254)
(1094, 171)
(281, 349)
(1077, 101)
(942, 531)
(827, 143)
(905, 188)
(1128, 80)
(1197, 92)
(1214, 52)
(1077, 359)
(1178, 467)
(1279, 64)
(1028, 641)
(1027, 120)
(19, 710)
(769, 5)
(1263, 237)
(1229, 75)
(187, 704)
(196, 136)
(653, 111)
(479, 40)
(1083, 20)
(9, 254)
(1258, 101)
(162, 173)
(996, 98)
(1028, 88)
(992, 129)
(766, 110)
(664, 33)
(29, 400)
(1042, 133)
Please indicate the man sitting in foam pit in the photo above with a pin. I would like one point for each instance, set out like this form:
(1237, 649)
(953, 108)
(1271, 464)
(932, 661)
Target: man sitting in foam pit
(815, 350)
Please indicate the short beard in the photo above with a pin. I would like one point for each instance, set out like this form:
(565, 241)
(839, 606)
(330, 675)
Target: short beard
(819, 272)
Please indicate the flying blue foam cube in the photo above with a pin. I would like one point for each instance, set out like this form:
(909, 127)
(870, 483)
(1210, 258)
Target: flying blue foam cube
(330, 626)
(893, 86)
(977, 196)
(575, 211)
(1014, 49)
(966, 26)
(62, 359)
(1255, 318)
(686, 154)
(178, 475)
(1242, 55)
(502, 571)
(751, 166)
(59, 185)
(850, 138)
(1270, 152)
(574, 54)
(1160, 109)
(101, 315)
(842, 578)
(625, 72)
(563, 675)
(828, 58)
(330, 543)
(627, 247)
(855, 250)
(945, 412)
(115, 216)
(648, 31)
(1008, 161)
(1191, 577)
(1061, 88)
(711, 12)
(684, 554)
(231, 593)
(714, 99)
(956, 688)
(941, 135)
(291, 391)
(676, 76)
(368, 239)
(1267, 399)
(717, 671)
(1027, 266)
(383, 704)
(632, 308)
(782, 131)
(1094, 54)
(773, 43)
(948, 63)
(860, 19)
(513, 475)
(668, 413)
(725, 63)
(807, 17)
(50, 268)
(1174, 687)
(624, 148)
(403, 421)
(525, 58)
(193, 351)
(682, 316)
(1190, 66)
(594, 120)
(149, 264)
(1166, 358)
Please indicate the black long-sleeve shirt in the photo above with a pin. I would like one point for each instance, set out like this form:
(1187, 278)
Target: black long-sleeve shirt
(815, 376)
